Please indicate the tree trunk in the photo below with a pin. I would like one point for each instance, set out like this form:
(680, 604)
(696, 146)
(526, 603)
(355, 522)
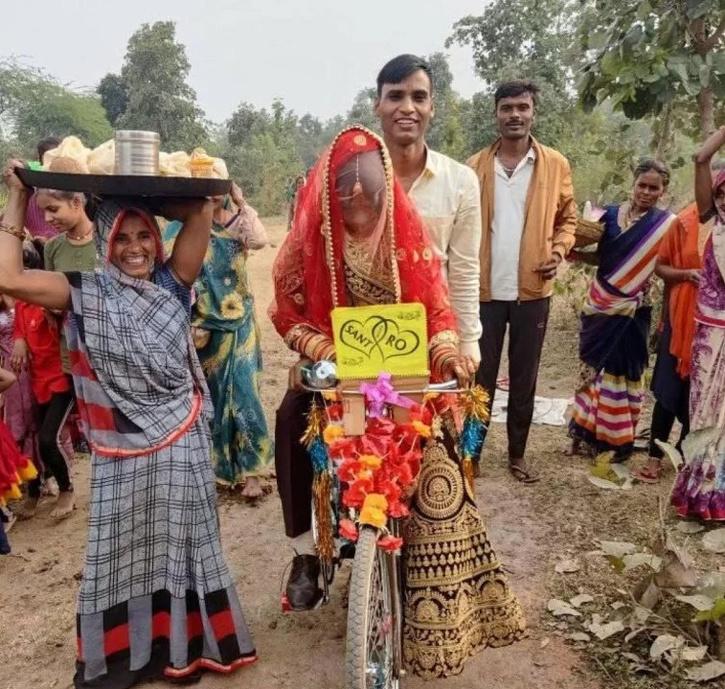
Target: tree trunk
(706, 105)
(663, 133)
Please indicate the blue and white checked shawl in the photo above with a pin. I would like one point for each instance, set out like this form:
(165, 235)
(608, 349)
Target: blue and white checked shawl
(136, 337)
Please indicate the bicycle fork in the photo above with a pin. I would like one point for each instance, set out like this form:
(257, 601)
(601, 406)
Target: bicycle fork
(394, 574)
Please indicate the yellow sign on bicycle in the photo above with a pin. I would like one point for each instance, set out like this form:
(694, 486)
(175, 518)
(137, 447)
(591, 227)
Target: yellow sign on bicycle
(390, 338)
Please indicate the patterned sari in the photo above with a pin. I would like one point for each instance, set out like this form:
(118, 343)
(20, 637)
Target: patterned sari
(157, 598)
(458, 599)
(614, 330)
(232, 357)
(699, 491)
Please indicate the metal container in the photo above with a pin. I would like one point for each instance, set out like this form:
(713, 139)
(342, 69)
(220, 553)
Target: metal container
(137, 152)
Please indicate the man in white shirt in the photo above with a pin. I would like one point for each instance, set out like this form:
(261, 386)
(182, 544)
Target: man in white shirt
(445, 193)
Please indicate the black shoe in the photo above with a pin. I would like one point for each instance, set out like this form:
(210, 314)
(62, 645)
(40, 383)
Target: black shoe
(303, 593)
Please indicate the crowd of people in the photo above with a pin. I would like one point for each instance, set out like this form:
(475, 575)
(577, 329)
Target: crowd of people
(140, 344)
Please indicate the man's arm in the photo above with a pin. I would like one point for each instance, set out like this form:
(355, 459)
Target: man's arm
(464, 268)
(566, 215)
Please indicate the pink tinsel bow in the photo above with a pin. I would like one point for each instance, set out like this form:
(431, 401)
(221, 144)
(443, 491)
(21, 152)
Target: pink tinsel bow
(380, 393)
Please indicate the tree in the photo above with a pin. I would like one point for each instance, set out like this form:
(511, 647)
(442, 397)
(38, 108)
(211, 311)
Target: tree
(530, 39)
(446, 131)
(34, 105)
(114, 96)
(656, 57)
(153, 79)
(362, 110)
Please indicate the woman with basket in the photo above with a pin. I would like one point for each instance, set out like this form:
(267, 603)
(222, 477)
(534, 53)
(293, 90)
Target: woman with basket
(357, 240)
(156, 599)
(615, 319)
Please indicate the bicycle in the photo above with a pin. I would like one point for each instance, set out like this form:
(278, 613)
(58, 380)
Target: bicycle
(373, 650)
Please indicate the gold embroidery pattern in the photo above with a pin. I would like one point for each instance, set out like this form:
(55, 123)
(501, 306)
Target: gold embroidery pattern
(458, 599)
(364, 291)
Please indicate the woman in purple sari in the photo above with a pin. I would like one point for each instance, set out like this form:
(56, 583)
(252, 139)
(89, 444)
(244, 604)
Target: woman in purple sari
(700, 487)
(616, 318)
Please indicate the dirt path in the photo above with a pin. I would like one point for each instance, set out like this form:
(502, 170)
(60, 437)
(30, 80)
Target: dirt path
(39, 581)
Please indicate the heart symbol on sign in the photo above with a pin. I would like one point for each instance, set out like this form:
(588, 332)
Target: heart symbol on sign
(358, 336)
(391, 341)
(378, 335)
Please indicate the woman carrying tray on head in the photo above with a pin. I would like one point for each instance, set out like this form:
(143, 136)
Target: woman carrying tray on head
(357, 240)
(615, 318)
(156, 599)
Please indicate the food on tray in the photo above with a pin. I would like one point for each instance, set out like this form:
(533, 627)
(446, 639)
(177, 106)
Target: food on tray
(174, 164)
(201, 164)
(72, 156)
(70, 147)
(66, 164)
(101, 160)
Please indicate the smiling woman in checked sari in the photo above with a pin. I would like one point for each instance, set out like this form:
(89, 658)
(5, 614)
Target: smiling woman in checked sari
(156, 599)
(616, 318)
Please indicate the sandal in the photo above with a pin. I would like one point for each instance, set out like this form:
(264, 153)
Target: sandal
(523, 475)
(647, 474)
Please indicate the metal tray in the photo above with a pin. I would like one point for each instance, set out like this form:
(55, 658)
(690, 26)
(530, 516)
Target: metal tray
(125, 185)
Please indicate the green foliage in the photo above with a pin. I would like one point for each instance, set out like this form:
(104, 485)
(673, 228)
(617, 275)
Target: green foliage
(33, 105)
(647, 56)
(151, 92)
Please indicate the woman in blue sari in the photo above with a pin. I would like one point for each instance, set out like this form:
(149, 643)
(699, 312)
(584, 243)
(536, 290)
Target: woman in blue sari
(227, 340)
(616, 318)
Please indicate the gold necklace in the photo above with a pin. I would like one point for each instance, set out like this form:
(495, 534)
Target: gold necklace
(81, 237)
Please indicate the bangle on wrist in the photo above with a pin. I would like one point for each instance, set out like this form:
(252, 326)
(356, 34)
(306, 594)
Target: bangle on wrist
(14, 231)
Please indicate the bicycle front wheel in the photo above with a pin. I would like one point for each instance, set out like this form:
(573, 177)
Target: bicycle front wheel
(369, 650)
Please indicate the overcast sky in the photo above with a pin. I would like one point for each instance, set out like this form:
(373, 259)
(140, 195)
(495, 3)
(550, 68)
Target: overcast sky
(314, 54)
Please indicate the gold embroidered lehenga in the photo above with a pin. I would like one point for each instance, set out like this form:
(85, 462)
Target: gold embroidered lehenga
(458, 599)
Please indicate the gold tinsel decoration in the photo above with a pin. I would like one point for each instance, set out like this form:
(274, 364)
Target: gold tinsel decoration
(321, 491)
(315, 424)
(475, 403)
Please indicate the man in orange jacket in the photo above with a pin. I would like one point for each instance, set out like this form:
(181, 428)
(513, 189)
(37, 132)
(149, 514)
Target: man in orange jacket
(528, 218)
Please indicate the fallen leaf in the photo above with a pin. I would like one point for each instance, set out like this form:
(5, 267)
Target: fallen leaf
(689, 527)
(714, 613)
(545, 642)
(579, 636)
(559, 608)
(714, 541)
(617, 548)
(567, 567)
(633, 633)
(604, 631)
(693, 654)
(641, 614)
(712, 584)
(632, 656)
(664, 643)
(618, 605)
(639, 559)
(581, 599)
(675, 573)
(698, 601)
(706, 672)
(603, 483)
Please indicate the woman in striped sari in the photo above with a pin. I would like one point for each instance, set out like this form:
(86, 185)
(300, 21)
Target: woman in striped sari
(616, 317)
